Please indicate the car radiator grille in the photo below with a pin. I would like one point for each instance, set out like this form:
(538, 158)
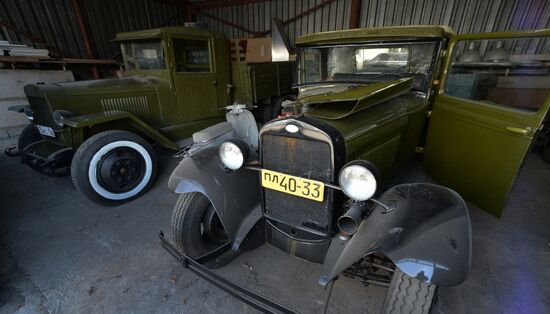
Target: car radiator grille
(304, 158)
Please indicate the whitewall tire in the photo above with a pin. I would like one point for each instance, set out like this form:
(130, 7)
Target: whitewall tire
(113, 167)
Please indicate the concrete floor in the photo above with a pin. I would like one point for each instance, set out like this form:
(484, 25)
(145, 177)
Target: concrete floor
(60, 253)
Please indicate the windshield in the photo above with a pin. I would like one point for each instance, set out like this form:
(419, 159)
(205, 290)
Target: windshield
(144, 54)
(368, 63)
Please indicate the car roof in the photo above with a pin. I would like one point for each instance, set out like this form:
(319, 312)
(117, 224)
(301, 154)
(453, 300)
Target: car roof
(368, 34)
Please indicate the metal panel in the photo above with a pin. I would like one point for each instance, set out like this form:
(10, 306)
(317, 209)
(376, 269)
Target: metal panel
(54, 21)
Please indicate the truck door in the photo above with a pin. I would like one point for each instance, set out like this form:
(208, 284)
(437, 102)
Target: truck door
(493, 98)
(194, 78)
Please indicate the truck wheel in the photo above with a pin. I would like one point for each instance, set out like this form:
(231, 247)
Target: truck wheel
(114, 167)
(408, 295)
(28, 136)
(196, 227)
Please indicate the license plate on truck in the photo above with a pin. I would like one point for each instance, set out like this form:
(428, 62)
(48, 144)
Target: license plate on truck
(306, 188)
(45, 130)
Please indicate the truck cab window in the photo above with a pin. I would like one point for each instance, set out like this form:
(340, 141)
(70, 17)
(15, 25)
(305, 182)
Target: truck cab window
(191, 55)
(511, 72)
(145, 54)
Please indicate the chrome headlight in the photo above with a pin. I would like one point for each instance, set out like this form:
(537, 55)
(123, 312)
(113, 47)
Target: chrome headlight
(59, 115)
(233, 154)
(357, 180)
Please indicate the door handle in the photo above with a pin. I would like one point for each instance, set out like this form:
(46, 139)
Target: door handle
(214, 83)
(524, 131)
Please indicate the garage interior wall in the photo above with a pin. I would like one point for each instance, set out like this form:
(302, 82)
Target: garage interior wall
(53, 22)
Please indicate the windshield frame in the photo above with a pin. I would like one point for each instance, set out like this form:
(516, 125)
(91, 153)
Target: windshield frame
(438, 43)
(124, 44)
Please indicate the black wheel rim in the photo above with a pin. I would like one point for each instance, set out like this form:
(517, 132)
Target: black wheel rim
(212, 228)
(120, 170)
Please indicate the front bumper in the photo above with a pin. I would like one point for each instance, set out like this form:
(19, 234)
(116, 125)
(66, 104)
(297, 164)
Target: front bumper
(251, 298)
(48, 157)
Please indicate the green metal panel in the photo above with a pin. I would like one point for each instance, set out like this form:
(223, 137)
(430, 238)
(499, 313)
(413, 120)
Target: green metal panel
(242, 83)
(100, 118)
(470, 146)
(271, 79)
(369, 34)
(386, 133)
(255, 83)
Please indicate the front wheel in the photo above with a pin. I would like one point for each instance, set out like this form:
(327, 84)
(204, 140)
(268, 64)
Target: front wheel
(114, 167)
(196, 227)
(408, 295)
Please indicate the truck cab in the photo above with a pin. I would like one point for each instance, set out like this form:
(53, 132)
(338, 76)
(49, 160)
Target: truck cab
(177, 81)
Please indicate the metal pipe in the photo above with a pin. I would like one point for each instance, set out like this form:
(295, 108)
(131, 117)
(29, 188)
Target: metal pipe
(82, 26)
(349, 222)
(355, 14)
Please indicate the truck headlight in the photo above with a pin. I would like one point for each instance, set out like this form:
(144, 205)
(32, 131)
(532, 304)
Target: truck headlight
(233, 154)
(357, 180)
(59, 115)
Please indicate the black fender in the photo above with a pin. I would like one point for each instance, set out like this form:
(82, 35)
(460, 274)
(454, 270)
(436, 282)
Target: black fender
(427, 235)
(235, 195)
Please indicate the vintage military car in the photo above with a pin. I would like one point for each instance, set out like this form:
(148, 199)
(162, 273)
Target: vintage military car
(178, 82)
(320, 184)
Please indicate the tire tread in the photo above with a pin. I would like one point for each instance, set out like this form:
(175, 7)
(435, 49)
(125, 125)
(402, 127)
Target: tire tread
(408, 295)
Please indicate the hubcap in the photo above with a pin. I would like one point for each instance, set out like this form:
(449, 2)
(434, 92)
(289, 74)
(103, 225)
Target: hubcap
(120, 170)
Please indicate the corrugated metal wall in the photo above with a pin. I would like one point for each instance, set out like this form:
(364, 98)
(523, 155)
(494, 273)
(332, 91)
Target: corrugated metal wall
(54, 21)
(326, 15)
(464, 16)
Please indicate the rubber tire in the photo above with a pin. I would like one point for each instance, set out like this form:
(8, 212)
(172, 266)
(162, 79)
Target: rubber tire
(186, 224)
(28, 136)
(546, 152)
(86, 151)
(408, 295)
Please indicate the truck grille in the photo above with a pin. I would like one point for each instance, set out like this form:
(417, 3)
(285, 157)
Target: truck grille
(306, 158)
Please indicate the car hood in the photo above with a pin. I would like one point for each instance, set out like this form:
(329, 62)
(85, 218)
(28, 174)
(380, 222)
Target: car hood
(337, 104)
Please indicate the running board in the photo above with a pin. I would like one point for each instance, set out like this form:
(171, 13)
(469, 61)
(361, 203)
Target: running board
(251, 298)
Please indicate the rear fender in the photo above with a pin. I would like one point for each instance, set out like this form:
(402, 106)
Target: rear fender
(235, 195)
(427, 235)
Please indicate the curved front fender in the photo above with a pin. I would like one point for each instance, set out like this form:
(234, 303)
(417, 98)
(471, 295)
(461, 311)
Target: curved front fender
(235, 195)
(427, 235)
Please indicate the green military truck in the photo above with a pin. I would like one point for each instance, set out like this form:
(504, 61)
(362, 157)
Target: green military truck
(178, 81)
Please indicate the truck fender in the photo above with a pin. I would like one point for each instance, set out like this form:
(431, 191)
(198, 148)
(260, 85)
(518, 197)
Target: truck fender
(89, 120)
(235, 195)
(427, 235)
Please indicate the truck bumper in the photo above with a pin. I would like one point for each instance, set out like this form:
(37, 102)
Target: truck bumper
(48, 157)
(251, 298)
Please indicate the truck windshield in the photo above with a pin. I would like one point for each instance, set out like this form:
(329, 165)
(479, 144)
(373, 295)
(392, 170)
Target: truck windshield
(146, 54)
(368, 63)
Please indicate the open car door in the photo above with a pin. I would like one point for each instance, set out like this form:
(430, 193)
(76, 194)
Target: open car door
(493, 98)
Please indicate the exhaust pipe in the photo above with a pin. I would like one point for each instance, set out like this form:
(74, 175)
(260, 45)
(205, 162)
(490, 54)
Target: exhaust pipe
(349, 222)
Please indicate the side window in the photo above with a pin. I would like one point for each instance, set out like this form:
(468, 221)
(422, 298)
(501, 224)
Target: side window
(191, 55)
(511, 72)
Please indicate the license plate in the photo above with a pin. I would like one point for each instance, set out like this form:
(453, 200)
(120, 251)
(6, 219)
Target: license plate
(45, 130)
(310, 189)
